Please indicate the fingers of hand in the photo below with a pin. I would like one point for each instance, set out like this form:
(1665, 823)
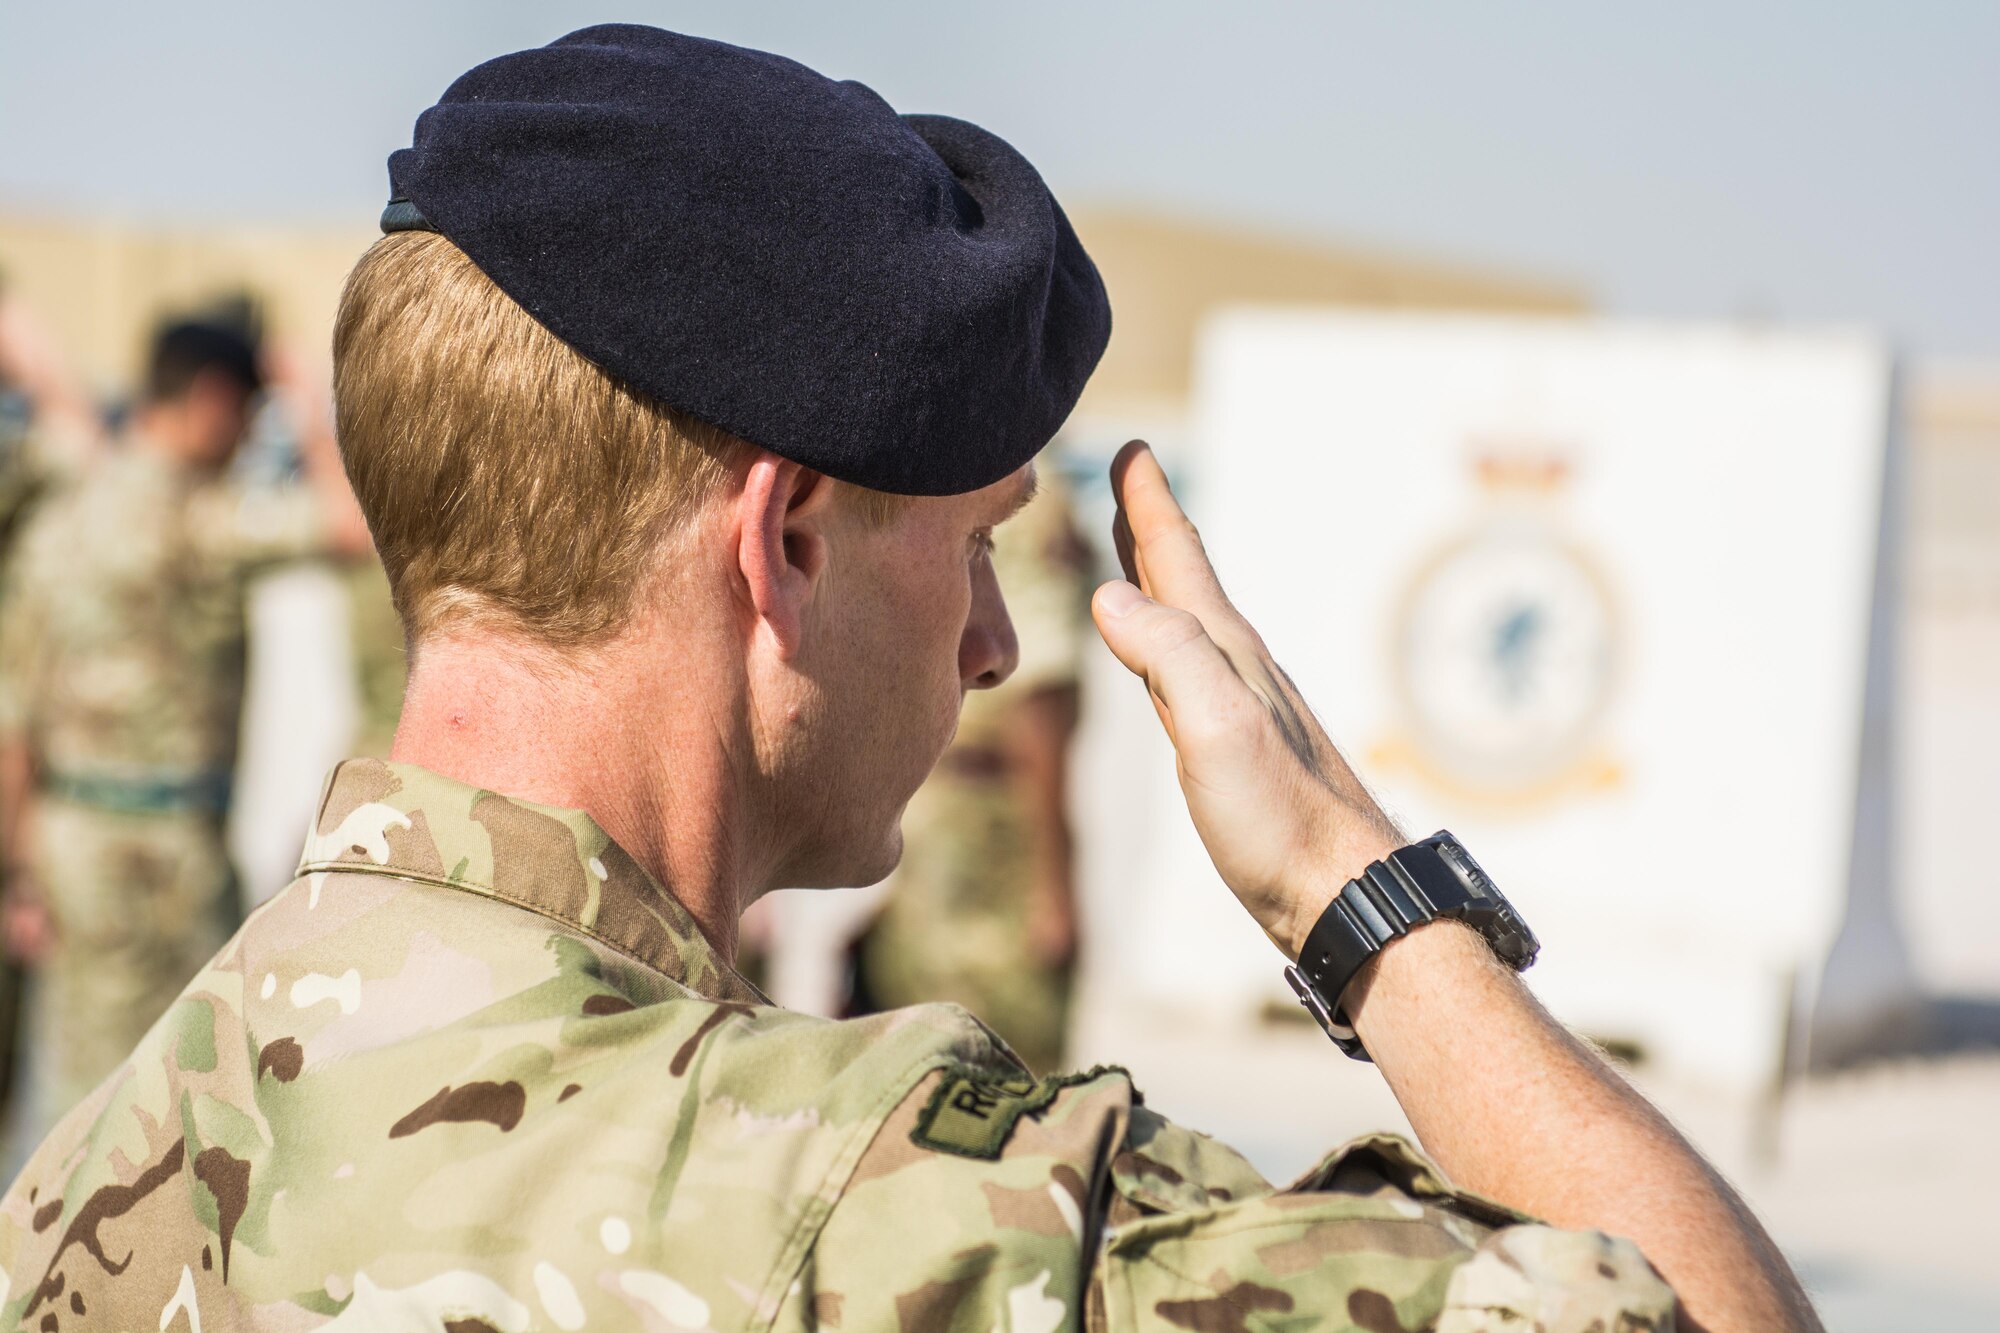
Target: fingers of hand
(1190, 676)
(1167, 559)
(1121, 538)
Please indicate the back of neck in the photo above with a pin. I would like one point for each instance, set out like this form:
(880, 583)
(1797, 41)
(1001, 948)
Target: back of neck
(512, 716)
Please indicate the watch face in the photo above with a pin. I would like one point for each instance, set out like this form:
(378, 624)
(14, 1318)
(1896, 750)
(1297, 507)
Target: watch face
(1505, 657)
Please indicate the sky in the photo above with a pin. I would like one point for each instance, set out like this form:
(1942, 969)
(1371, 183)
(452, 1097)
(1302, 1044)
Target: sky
(1829, 162)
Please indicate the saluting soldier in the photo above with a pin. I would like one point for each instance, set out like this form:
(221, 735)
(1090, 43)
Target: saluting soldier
(682, 400)
(122, 658)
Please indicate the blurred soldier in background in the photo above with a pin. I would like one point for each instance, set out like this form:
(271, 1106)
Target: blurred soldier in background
(982, 910)
(122, 660)
(47, 429)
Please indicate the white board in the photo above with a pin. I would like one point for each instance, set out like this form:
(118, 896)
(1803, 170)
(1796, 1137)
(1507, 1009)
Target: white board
(1593, 595)
(299, 716)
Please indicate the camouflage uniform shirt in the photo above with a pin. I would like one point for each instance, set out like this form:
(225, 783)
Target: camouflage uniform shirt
(475, 1070)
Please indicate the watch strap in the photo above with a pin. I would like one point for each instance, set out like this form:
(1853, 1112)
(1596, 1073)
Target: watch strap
(1412, 886)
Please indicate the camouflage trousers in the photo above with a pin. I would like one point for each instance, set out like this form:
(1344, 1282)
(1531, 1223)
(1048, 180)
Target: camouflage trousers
(956, 924)
(140, 902)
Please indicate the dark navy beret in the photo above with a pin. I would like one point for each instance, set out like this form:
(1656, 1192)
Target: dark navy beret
(896, 301)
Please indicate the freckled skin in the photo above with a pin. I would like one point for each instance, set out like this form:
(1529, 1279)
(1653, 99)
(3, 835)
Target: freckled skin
(908, 617)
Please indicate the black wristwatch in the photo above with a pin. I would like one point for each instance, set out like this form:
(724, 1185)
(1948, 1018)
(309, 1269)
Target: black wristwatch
(1425, 881)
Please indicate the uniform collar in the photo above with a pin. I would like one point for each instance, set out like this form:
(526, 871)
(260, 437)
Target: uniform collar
(398, 819)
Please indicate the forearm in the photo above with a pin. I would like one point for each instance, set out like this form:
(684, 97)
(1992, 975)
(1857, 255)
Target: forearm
(1513, 1106)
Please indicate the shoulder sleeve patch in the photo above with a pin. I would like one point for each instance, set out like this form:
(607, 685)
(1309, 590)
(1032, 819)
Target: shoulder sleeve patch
(974, 1111)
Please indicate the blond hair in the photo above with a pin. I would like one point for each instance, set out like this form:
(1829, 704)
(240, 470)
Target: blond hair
(505, 478)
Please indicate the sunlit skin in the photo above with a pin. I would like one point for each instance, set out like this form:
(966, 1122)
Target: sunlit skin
(783, 686)
(905, 620)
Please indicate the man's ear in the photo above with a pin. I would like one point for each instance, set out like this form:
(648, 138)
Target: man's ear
(781, 542)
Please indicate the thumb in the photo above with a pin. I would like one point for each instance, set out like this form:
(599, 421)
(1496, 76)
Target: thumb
(1164, 645)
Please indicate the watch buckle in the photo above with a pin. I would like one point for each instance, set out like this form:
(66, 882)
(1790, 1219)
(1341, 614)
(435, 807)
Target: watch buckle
(1315, 1004)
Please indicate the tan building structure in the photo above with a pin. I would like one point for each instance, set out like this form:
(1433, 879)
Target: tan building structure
(1166, 274)
(101, 284)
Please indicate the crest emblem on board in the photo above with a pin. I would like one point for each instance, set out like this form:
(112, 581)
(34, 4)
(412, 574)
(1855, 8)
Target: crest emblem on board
(1506, 645)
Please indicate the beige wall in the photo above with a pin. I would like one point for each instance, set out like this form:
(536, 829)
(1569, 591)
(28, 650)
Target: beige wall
(100, 286)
